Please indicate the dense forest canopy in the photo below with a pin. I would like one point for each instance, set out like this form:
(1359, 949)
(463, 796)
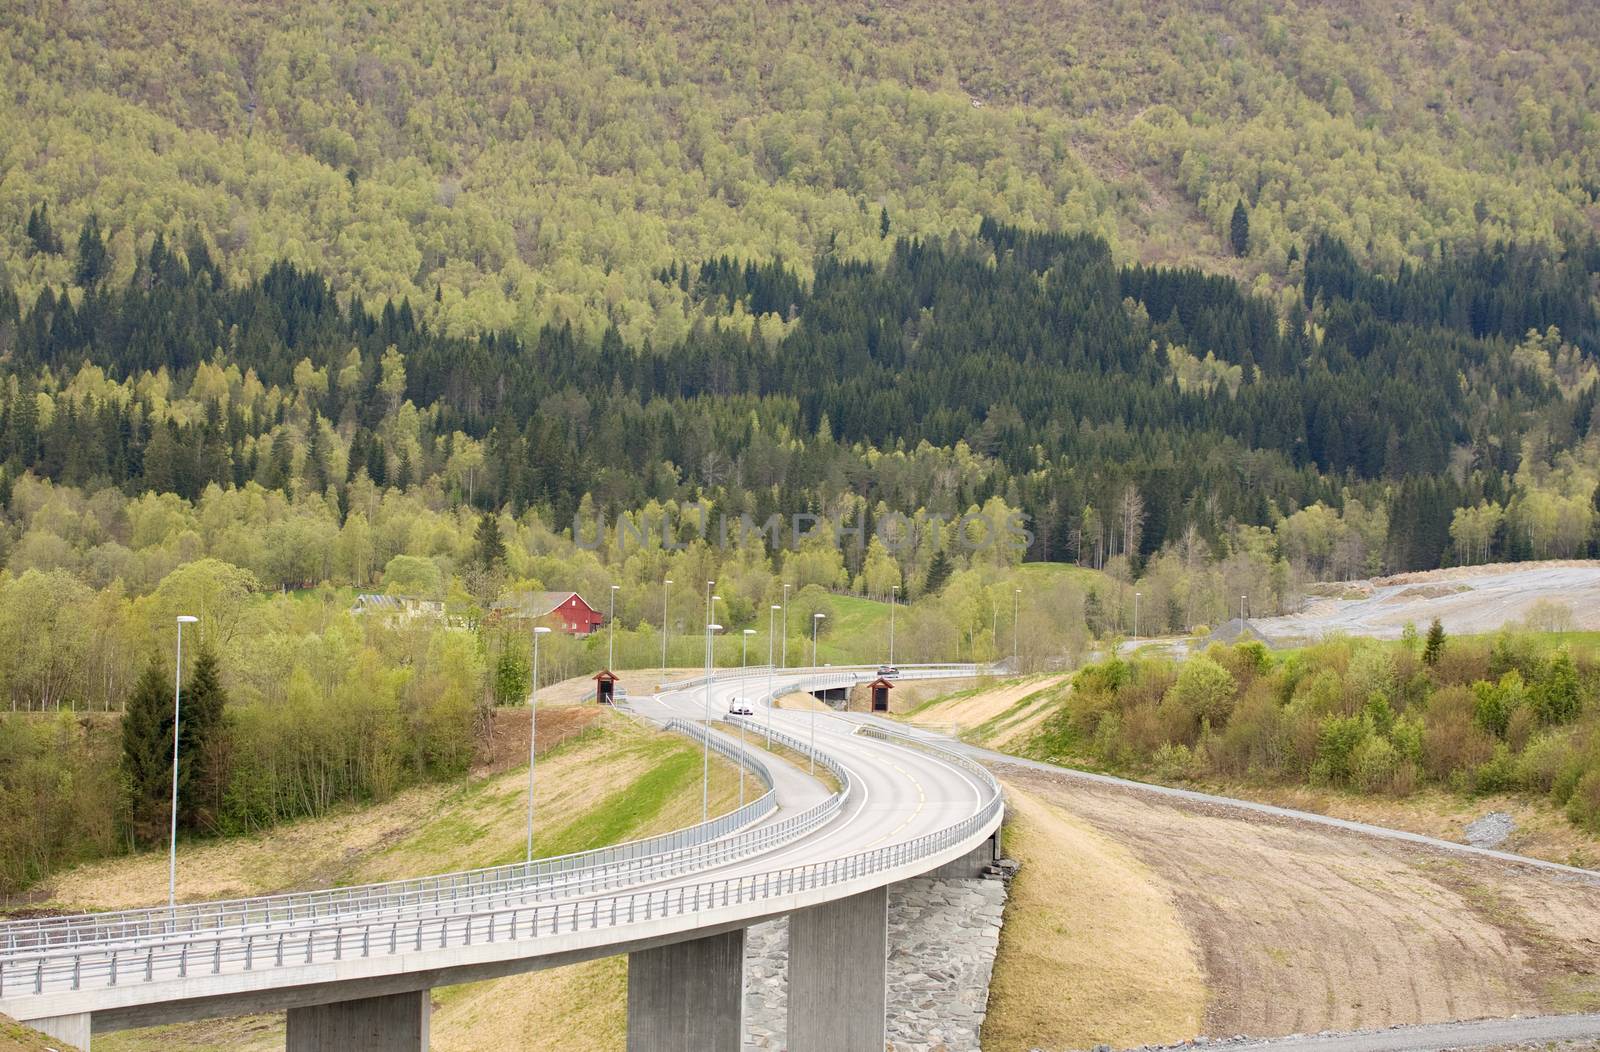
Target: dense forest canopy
(542, 162)
(1118, 406)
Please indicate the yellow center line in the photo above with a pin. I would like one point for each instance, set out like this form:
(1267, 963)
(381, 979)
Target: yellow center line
(922, 800)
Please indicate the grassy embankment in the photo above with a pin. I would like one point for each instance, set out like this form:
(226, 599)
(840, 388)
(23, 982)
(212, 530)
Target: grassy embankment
(614, 781)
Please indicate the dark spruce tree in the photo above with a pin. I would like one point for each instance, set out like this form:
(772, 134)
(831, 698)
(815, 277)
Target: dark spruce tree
(1239, 230)
(203, 744)
(147, 755)
(491, 549)
(94, 262)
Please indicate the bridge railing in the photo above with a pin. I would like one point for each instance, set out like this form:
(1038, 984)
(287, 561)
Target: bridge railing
(920, 671)
(649, 858)
(167, 955)
(226, 952)
(544, 876)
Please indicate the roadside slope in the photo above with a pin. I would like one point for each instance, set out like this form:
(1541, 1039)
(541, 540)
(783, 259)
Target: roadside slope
(615, 782)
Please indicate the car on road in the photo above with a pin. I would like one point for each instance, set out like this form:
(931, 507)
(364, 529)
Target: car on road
(888, 671)
(740, 707)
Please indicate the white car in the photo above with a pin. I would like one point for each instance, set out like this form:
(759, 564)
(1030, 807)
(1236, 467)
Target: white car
(740, 707)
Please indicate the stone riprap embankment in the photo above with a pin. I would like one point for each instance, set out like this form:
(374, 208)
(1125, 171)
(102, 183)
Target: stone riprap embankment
(943, 934)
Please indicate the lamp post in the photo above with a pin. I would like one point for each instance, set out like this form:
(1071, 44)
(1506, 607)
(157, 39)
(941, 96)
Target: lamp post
(611, 631)
(665, 585)
(1241, 610)
(816, 619)
(1136, 618)
(533, 722)
(785, 626)
(772, 617)
(1016, 611)
(705, 760)
(894, 591)
(177, 701)
(744, 664)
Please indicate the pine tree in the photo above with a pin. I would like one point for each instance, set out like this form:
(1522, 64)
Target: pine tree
(938, 573)
(883, 222)
(40, 231)
(93, 260)
(1239, 230)
(1433, 649)
(491, 549)
(202, 744)
(147, 754)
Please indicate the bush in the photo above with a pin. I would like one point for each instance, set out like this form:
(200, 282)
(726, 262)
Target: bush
(1338, 740)
(1496, 702)
(1451, 741)
(1204, 692)
(1555, 694)
(1373, 765)
(1541, 763)
(1173, 763)
(1583, 806)
(1499, 774)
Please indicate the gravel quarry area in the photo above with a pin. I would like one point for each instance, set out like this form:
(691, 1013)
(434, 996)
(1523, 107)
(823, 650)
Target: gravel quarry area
(1466, 600)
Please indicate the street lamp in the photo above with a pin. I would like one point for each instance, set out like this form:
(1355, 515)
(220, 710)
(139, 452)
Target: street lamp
(533, 722)
(816, 619)
(786, 626)
(772, 616)
(611, 631)
(744, 662)
(665, 585)
(1241, 610)
(1136, 617)
(1016, 610)
(705, 761)
(177, 699)
(894, 590)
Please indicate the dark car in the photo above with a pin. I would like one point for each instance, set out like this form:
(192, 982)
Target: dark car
(888, 671)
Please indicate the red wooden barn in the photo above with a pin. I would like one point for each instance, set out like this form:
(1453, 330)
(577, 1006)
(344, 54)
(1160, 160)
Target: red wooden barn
(563, 611)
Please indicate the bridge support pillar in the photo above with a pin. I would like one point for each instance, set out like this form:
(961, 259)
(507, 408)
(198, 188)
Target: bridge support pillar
(391, 1023)
(73, 1029)
(687, 996)
(838, 974)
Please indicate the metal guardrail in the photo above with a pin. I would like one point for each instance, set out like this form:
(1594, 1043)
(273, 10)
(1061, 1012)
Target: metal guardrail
(541, 878)
(923, 671)
(63, 970)
(76, 967)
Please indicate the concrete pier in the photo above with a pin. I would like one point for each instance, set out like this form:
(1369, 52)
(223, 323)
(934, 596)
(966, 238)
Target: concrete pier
(687, 996)
(838, 974)
(392, 1023)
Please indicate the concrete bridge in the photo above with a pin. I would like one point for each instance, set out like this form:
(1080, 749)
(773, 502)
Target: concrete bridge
(353, 967)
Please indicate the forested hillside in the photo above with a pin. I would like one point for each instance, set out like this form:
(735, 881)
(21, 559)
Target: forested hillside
(537, 162)
(1383, 423)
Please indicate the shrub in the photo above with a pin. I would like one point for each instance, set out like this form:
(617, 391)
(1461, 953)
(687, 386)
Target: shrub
(1173, 762)
(1583, 806)
(1451, 741)
(1338, 740)
(1541, 763)
(1204, 691)
(1496, 702)
(1255, 738)
(1499, 774)
(1555, 694)
(1433, 647)
(1373, 764)
(1371, 673)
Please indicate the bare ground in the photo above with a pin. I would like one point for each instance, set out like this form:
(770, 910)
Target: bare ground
(1303, 929)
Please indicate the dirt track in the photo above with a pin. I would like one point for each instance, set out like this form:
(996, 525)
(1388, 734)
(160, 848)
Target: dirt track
(1303, 929)
(1466, 600)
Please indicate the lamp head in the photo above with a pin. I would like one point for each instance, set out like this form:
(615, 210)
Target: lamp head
(749, 631)
(713, 628)
(541, 630)
(819, 615)
(187, 619)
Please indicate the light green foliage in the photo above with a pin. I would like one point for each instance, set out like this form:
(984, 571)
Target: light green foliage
(541, 161)
(1362, 716)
